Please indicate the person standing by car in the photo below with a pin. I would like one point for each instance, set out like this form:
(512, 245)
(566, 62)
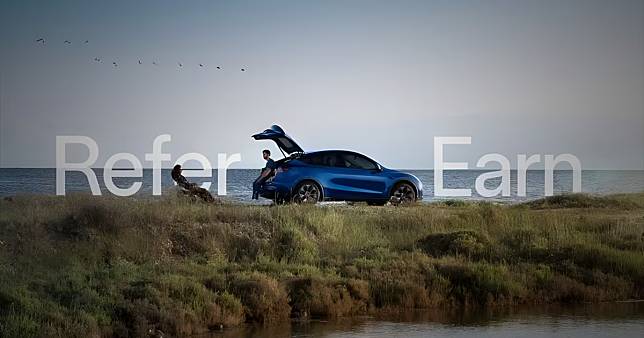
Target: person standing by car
(265, 174)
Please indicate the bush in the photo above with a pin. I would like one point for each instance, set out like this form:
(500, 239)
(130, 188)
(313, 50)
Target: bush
(325, 298)
(581, 201)
(467, 243)
(263, 298)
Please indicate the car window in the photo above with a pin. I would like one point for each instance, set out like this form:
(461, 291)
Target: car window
(356, 161)
(333, 159)
(339, 160)
(286, 142)
(328, 159)
(314, 159)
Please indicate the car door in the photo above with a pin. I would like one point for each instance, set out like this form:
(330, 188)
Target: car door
(356, 177)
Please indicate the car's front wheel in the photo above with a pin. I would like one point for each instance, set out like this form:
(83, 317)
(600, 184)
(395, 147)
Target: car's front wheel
(403, 193)
(307, 192)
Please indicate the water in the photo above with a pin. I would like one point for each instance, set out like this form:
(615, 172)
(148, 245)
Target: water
(43, 181)
(622, 320)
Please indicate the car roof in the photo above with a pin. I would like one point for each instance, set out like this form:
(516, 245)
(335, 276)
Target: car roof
(315, 152)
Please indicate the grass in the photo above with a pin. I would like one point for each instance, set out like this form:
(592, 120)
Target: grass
(80, 266)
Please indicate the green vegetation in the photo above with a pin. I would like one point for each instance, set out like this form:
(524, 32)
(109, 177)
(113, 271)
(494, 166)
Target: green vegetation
(80, 266)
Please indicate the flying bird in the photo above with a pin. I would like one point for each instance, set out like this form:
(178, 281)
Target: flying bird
(140, 62)
(115, 64)
(41, 40)
(86, 41)
(97, 59)
(154, 63)
(68, 42)
(243, 69)
(218, 67)
(180, 65)
(200, 65)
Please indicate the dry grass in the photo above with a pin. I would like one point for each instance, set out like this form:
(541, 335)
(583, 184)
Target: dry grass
(103, 266)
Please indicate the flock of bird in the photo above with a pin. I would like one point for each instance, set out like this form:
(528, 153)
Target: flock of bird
(115, 64)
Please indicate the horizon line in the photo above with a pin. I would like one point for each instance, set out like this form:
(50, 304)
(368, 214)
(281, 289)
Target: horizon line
(257, 168)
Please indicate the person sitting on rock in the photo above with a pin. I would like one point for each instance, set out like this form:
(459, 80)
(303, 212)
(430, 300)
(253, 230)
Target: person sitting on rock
(190, 188)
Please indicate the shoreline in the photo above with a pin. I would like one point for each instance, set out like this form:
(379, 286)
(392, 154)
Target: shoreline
(95, 266)
(232, 200)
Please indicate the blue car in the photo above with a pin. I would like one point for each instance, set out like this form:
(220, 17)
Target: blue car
(333, 175)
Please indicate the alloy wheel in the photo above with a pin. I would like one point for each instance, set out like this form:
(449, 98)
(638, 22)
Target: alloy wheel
(307, 192)
(403, 194)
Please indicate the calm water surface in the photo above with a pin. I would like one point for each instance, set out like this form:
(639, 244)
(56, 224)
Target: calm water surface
(239, 182)
(622, 320)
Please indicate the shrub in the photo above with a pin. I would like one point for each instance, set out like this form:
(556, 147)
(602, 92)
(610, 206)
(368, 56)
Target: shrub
(467, 243)
(263, 298)
(581, 201)
(325, 298)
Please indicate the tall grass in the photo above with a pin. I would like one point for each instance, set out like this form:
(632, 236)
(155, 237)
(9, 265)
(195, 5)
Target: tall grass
(105, 266)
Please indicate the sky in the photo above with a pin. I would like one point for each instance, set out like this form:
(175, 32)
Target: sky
(379, 77)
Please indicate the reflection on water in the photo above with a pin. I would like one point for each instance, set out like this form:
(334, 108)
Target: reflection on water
(593, 320)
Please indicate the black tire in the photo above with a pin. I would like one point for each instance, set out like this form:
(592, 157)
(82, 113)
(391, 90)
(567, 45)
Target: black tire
(307, 192)
(281, 199)
(403, 193)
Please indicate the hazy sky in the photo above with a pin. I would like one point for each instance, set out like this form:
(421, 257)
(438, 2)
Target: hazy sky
(379, 77)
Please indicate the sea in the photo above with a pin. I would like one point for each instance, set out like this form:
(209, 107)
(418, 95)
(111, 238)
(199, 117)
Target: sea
(30, 181)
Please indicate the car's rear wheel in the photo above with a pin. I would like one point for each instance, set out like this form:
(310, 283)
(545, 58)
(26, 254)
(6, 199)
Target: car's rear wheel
(307, 192)
(403, 193)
